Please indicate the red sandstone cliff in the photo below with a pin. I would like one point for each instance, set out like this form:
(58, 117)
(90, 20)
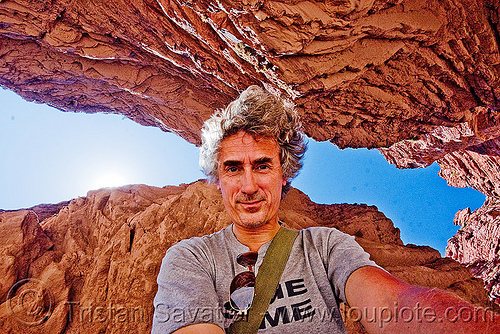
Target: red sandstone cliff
(468, 158)
(362, 73)
(93, 264)
(419, 79)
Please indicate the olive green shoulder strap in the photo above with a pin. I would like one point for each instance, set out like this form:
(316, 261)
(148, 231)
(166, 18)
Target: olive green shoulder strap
(266, 281)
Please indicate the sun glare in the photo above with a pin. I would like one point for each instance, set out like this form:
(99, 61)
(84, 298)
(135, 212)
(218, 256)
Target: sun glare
(108, 180)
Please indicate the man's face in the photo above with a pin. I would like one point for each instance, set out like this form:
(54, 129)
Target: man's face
(250, 179)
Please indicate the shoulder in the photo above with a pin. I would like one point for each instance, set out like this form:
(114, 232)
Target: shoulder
(324, 241)
(331, 243)
(195, 256)
(194, 244)
(329, 235)
(197, 252)
(322, 230)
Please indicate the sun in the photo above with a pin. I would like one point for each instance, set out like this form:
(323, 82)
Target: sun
(109, 180)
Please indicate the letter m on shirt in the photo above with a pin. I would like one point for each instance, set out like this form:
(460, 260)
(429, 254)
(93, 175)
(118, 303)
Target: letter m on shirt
(281, 313)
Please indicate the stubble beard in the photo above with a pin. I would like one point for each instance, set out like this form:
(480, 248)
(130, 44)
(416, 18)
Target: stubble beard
(251, 223)
(253, 220)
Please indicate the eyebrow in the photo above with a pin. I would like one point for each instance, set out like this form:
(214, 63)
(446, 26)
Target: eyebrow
(258, 161)
(262, 160)
(232, 163)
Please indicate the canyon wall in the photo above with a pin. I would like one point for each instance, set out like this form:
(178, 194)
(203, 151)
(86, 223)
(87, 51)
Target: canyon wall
(362, 73)
(90, 266)
(466, 160)
(417, 79)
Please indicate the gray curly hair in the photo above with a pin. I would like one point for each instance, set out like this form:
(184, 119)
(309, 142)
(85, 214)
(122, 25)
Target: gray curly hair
(259, 113)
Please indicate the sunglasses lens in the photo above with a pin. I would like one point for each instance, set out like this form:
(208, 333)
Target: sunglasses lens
(244, 279)
(242, 290)
(242, 287)
(241, 299)
(247, 259)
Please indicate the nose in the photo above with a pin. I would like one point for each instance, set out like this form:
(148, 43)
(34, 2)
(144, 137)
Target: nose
(249, 186)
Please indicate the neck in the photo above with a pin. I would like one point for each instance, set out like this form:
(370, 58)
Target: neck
(253, 238)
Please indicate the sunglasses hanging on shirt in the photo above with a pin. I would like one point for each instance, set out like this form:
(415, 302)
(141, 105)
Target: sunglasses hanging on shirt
(243, 285)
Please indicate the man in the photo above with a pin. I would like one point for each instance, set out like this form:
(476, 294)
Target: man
(252, 150)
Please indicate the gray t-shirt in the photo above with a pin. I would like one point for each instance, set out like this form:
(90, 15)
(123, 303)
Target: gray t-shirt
(196, 273)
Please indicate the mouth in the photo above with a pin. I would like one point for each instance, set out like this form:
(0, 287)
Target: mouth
(250, 205)
(250, 202)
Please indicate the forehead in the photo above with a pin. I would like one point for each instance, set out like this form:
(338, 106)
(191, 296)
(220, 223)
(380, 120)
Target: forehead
(242, 146)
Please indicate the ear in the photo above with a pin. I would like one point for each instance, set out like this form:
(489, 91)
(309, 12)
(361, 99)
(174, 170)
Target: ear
(285, 180)
(218, 185)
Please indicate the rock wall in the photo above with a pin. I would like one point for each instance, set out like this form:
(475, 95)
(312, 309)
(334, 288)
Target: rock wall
(477, 243)
(417, 78)
(468, 158)
(92, 266)
(362, 73)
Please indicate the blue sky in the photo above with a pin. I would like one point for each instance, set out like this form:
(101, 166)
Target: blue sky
(49, 156)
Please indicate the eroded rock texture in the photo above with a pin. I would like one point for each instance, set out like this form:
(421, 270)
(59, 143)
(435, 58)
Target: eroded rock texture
(94, 264)
(469, 156)
(418, 78)
(362, 73)
(477, 243)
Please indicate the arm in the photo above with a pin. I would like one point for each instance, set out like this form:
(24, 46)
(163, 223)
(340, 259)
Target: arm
(403, 308)
(186, 300)
(200, 329)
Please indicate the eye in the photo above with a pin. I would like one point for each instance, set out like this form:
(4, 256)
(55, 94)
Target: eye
(232, 169)
(262, 167)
